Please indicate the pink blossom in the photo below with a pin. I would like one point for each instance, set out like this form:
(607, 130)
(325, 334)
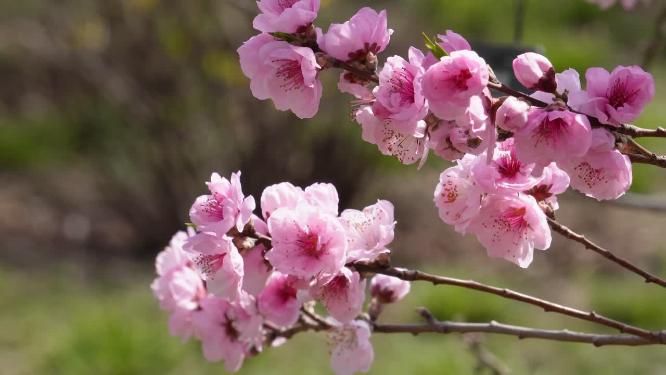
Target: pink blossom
(287, 16)
(535, 72)
(449, 84)
(219, 263)
(442, 136)
(512, 114)
(511, 226)
(173, 256)
(552, 182)
(380, 130)
(323, 196)
(504, 171)
(467, 133)
(617, 97)
(282, 72)
(178, 286)
(603, 173)
(255, 270)
(368, 231)
(351, 348)
(342, 294)
(366, 32)
(399, 92)
(389, 289)
(227, 331)
(568, 82)
(225, 208)
(350, 84)
(306, 242)
(552, 135)
(452, 41)
(279, 302)
(278, 196)
(457, 196)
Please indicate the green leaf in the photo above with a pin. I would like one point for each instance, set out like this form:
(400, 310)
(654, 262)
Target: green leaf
(435, 48)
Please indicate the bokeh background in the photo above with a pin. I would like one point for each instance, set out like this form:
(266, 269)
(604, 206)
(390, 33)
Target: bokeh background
(114, 112)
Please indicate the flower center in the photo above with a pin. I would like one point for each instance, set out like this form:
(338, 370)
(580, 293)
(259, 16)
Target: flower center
(619, 94)
(460, 80)
(514, 219)
(540, 192)
(450, 192)
(309, 244)
(508, 165)
(214, 207)
(289, 71)
(284, 4)
(402, 83)
(549, 130)
(287, 292)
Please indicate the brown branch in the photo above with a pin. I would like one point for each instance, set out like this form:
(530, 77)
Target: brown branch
(446, 327)
(501, 87)
(568, 233)
(636, 132)
(485, 358)
(656, 160)
(547, 306)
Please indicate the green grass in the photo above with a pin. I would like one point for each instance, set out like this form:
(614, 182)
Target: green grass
(57, 323)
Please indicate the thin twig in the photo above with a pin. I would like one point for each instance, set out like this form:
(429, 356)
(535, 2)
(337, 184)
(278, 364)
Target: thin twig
(590, 316)
(446, 327)
(636, 132)
(568, 233)
(485, 358)
(656, 160)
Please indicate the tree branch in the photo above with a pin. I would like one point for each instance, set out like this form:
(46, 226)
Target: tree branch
(547, 306)
(568, 233)
(446, 327)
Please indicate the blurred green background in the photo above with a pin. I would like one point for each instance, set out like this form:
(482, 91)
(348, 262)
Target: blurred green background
(114, 112)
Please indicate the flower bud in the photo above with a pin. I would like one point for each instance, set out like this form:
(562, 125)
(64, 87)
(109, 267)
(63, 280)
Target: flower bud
(512, 114)
(388, 289)
(535, 72)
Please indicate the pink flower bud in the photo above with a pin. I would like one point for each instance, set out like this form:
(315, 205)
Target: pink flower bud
(452, 41)
(535, 72)
(388, 289)
(512, 114)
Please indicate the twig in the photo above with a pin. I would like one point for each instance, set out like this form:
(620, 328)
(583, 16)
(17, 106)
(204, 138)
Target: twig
(590, 316)
(501, 87)
(568, 233)
(484, 357)
(659, 161)
(446, 327)
(636, 132)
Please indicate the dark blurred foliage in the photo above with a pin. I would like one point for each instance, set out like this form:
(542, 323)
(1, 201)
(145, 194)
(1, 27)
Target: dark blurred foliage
(147, 98)
(114, 112)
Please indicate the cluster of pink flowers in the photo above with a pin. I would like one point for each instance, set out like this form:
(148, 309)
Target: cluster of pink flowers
(512, 158)
(239, 279)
